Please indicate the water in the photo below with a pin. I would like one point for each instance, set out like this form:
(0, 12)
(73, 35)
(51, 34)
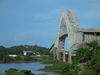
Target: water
(26, 66)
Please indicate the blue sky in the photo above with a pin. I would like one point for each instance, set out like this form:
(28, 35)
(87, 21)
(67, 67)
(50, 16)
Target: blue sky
(35, 22)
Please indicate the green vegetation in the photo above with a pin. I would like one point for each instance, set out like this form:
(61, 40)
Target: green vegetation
(42, 58)
(43, 74)
(18, 50)
(17, 58)
(24, 72)
(45, 57)
(90, 55)
(13, 71)
(50, 61)
(28, 58)
(56, 66)
(2, 48)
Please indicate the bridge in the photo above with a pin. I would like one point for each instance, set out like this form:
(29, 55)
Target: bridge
(70, 27)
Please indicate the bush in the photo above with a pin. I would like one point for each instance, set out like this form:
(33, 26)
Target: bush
(11, 71)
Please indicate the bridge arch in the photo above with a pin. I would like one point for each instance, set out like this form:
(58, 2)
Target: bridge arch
(68, 23)
(77, 36)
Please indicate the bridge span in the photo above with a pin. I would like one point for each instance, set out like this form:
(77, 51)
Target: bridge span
(70, 27)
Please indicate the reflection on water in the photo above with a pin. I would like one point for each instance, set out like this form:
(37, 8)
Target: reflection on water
(26, 66)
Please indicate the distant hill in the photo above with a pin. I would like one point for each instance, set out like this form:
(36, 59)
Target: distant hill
(2, 48)
(19, 49)
(28, 48)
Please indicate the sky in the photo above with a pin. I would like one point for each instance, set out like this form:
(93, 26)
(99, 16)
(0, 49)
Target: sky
(35, 22)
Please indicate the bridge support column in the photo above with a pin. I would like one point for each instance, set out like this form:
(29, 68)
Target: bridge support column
(81, 66)
(64, 56)
(58, 52)
(54, 53)
(69, 57)
(58, 55)
(70, 54)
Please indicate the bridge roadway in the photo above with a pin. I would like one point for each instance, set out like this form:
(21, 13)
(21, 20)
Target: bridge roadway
(95, 32)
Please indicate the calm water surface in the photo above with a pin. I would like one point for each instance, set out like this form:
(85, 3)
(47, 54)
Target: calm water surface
(25, 66)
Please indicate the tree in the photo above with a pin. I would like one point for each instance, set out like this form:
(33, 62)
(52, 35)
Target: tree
(11, 71)
(19, 73)
(44, 57)
(17, 58)
(51, 57)
(26, 72)
(66, 70)
(2, 54)
(89, 55)
(6, 58)
(28, 58)
(93, 64)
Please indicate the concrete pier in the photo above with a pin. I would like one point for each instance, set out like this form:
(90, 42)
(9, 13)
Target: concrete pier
(54, 53)
(58, 52)
(70, 54)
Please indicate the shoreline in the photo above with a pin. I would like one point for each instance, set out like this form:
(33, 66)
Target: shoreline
(53, 62)
(32, 61)
(19, 61)
(43, 69)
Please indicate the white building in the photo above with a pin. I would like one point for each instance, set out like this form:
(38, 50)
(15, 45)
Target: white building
(28, 52)
(12, 55)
